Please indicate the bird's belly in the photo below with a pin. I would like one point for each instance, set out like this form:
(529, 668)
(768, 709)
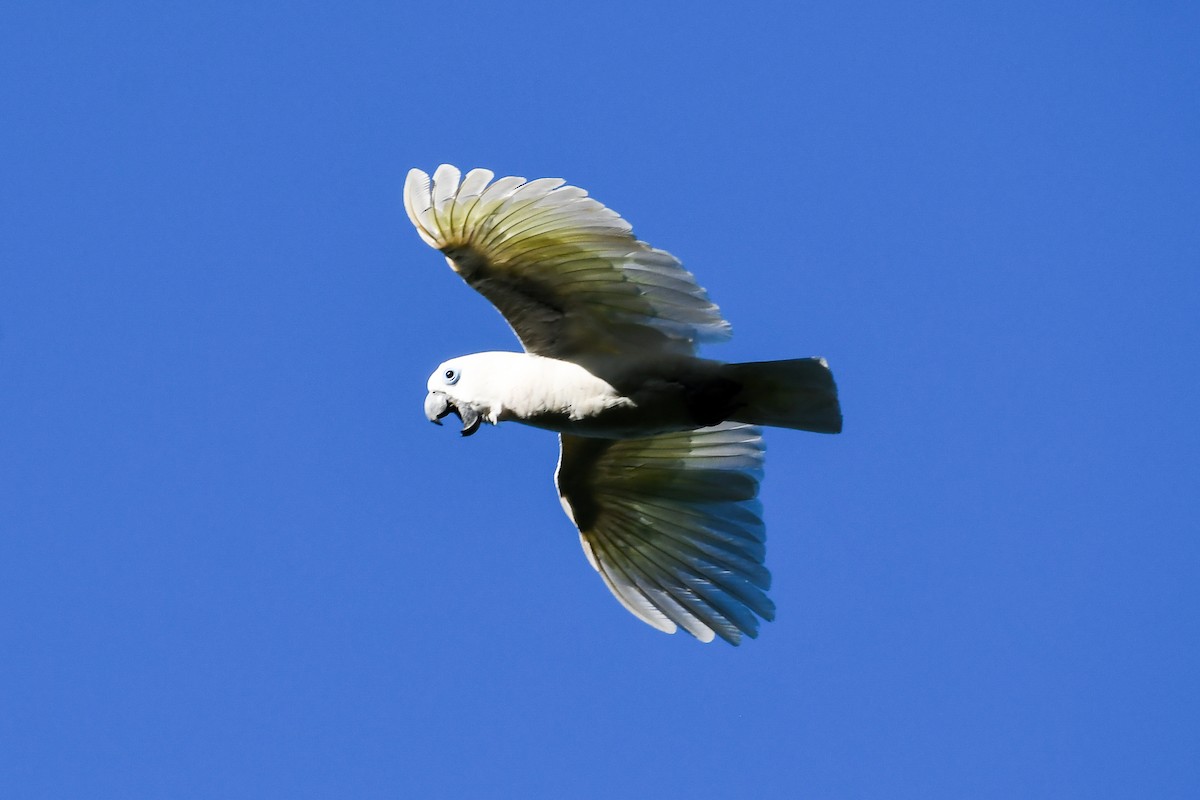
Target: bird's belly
(621, 422)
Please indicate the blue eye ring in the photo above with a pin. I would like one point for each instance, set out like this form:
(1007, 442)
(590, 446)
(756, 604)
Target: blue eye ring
(450, 377)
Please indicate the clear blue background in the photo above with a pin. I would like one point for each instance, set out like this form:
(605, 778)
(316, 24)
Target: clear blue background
(236, 561)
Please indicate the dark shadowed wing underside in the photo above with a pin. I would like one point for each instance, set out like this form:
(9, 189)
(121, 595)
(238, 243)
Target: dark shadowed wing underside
(673, 526)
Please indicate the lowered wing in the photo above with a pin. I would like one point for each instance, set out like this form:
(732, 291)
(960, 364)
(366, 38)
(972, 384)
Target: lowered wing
(564, 270)
(673, 526)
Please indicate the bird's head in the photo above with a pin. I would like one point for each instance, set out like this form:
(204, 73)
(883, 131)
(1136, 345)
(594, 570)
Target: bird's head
(460, 387)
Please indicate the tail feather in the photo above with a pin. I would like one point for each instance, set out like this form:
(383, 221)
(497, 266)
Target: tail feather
(797, 393)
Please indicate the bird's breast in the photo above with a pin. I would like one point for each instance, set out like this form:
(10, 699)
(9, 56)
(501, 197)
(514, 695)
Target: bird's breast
(632, 400)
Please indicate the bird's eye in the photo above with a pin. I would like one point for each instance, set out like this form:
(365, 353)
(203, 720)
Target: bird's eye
(450, 376)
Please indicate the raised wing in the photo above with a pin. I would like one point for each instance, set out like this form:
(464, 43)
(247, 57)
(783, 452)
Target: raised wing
(564, 270)
(672, 525)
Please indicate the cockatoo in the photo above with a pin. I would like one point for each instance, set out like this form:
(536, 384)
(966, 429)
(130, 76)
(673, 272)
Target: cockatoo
(661, 453)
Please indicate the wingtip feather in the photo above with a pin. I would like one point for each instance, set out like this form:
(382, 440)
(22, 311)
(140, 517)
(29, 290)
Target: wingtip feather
(418, 204)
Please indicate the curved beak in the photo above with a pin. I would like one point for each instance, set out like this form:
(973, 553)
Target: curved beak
(439, 404)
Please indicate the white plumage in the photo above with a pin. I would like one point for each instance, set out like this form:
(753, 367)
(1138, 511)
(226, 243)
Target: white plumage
(661, 455)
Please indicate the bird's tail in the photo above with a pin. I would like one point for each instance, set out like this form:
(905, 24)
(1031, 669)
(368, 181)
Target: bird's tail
(798, 393)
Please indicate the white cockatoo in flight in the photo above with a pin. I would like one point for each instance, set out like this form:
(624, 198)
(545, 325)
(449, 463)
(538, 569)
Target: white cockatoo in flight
(661, 453)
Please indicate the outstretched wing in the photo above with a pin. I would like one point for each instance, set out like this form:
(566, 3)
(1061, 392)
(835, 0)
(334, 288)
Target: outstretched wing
(564, 270)
(672, 525)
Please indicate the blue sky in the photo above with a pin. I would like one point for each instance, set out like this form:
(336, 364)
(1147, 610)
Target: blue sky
(236, 560)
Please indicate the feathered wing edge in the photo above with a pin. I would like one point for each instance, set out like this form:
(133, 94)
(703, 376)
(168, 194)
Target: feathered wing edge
(673, 525)
(547, 245)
